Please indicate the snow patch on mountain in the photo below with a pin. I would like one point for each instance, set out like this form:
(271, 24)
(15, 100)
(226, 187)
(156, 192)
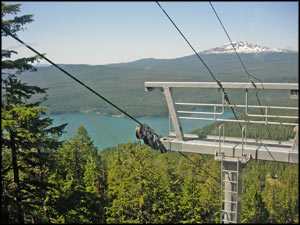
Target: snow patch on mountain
(244, 47)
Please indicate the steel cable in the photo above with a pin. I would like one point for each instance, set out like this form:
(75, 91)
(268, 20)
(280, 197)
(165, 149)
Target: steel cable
(71, 76)
(243, 65)
(212, 75)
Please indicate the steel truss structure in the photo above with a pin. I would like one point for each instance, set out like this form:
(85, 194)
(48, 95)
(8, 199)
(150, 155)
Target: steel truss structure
(233, 152)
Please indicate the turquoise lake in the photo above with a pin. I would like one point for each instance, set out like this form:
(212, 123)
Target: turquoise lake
(109, 131)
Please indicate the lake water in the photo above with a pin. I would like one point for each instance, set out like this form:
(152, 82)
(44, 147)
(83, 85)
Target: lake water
(108, 131)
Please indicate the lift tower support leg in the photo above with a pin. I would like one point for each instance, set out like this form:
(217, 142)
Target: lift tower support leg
(231, 189)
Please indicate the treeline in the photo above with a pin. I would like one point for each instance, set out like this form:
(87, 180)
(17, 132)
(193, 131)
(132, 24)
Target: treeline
(132, 183)
(132, 97)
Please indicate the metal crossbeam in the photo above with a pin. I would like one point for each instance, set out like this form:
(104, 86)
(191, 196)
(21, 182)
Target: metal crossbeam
(254, 150)
(227, 85)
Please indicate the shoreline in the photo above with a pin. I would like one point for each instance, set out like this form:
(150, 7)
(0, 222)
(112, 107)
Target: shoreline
(100, 113)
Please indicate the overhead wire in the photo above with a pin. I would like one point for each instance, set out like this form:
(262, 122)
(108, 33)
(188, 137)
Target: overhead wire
(233, 44)
(109, 102)
(196, 53)
(212, 75)
(71, 76)
(90, 89)
(243, 65)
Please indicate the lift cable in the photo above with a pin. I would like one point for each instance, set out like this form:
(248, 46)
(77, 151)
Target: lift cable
(189, 44)
(212, 75)
(90, 89)
(241, 61)
(71, 76)
(234, 46)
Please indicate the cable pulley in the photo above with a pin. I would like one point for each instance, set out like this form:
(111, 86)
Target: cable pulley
(143, 131)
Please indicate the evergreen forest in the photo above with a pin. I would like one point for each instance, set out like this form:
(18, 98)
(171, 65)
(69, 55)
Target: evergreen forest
(50, 181)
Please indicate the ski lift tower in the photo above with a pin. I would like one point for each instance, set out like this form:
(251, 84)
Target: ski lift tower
(234, 153)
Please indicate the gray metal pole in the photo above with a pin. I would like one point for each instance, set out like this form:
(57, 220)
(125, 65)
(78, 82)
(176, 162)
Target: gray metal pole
(232, 191)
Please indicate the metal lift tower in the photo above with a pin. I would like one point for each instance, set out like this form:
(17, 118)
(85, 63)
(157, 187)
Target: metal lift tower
(234, 153)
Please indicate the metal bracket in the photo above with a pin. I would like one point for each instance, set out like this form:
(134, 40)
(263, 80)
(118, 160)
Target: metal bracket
(294, 94)
(243, 159)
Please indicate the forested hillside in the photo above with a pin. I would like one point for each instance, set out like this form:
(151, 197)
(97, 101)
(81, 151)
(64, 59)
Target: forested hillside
(132, 183)
(123, 83)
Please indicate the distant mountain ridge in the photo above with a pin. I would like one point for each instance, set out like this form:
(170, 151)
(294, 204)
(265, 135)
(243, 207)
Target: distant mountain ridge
(244, 47)
(123, 83)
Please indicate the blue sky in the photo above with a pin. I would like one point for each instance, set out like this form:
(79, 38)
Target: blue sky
(112, 32)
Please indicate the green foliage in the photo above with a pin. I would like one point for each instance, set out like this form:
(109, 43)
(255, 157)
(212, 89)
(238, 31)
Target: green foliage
(132, 183)
(144, 187)
(27, 141)
(17, 23)
(254, 208)
(77, 196)
(133, 187)
(281, 195)
(270, 192)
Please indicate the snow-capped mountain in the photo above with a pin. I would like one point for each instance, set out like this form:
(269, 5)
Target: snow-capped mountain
(244, 47)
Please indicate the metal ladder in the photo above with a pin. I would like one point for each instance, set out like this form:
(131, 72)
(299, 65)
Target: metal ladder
(230, 212)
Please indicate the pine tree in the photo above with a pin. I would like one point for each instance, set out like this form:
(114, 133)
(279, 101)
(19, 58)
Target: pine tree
(200, 202)
(253, 207)
(77, 197)
(26, 136)
(139, 187)
(290, 189)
